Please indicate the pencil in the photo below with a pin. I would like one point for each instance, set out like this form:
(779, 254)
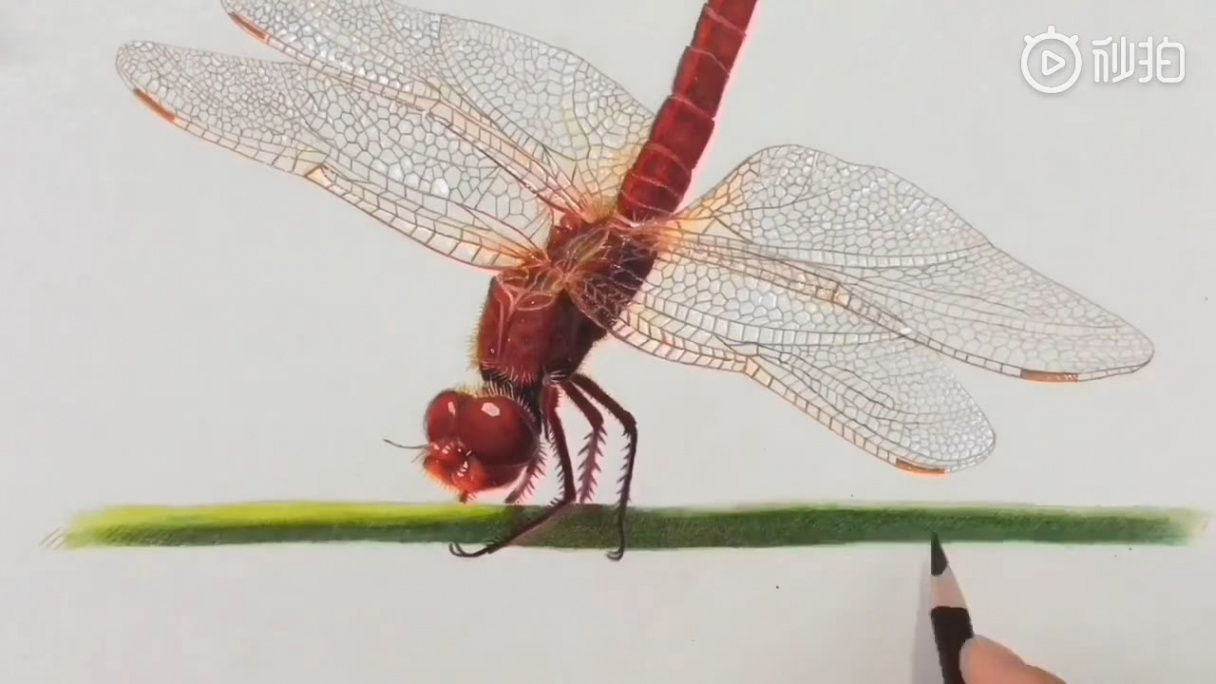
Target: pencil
(949, 616)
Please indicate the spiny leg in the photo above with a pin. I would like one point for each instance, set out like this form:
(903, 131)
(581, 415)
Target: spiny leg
(558, 435)
(627, 421)
(534, 471)
(590, 452)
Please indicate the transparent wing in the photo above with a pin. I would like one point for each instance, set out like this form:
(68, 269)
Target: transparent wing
(888, 242)
(566, 129)
(835, 285)
(886, 394)
(402, 166)
(722, 303)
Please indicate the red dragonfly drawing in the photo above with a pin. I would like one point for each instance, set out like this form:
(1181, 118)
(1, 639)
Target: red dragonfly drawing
(841, 287)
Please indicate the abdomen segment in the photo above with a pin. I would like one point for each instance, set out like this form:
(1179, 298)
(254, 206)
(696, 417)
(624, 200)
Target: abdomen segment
(661, 174)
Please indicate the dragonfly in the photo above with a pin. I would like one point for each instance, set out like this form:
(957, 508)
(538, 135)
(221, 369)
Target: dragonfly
(841, 287)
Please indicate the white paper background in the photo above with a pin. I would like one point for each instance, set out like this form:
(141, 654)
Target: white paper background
(184, 326)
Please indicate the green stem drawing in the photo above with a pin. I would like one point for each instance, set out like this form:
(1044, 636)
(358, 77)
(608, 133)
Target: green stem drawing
(590, 526)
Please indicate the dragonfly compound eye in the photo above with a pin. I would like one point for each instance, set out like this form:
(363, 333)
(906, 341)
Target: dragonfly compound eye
(440, 419)
(477, 443)
(497, 431)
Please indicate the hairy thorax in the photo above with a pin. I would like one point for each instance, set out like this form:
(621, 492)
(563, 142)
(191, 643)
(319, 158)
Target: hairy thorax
(541, 319)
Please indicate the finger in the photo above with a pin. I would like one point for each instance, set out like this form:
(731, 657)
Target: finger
(984, 661)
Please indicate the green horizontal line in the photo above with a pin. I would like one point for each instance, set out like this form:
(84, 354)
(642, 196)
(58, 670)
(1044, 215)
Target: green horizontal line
(591, 526)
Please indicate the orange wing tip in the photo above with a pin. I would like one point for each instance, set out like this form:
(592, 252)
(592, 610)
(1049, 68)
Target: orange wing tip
(919, 471)
(249, 28)
(156, 107)
(317, 175)
(1045, 376)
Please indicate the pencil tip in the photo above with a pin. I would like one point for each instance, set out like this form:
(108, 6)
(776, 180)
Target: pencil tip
(937, 557)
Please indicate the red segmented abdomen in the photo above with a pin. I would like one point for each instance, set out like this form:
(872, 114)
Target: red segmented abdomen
(659, 177)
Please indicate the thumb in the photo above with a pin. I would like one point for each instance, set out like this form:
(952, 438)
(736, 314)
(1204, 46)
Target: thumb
(984, 661)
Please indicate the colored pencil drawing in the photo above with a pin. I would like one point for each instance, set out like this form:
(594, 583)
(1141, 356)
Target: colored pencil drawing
(841, 287)
(587, 526)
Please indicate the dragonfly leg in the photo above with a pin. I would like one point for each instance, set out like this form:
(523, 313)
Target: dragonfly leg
(590, 452)
(630, 424)
(558, 436)
(534, 471)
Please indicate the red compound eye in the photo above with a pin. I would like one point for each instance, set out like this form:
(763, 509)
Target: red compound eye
(496, 430)
(440, 419)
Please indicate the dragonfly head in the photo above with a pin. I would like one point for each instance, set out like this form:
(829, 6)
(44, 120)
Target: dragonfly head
(477, 442)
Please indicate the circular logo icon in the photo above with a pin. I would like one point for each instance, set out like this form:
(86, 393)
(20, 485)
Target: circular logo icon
(1051, 61)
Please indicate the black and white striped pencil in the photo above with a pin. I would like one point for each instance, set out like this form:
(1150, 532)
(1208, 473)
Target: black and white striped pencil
(949, 616)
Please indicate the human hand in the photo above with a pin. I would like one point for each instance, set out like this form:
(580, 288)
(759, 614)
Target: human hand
(984, 661)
